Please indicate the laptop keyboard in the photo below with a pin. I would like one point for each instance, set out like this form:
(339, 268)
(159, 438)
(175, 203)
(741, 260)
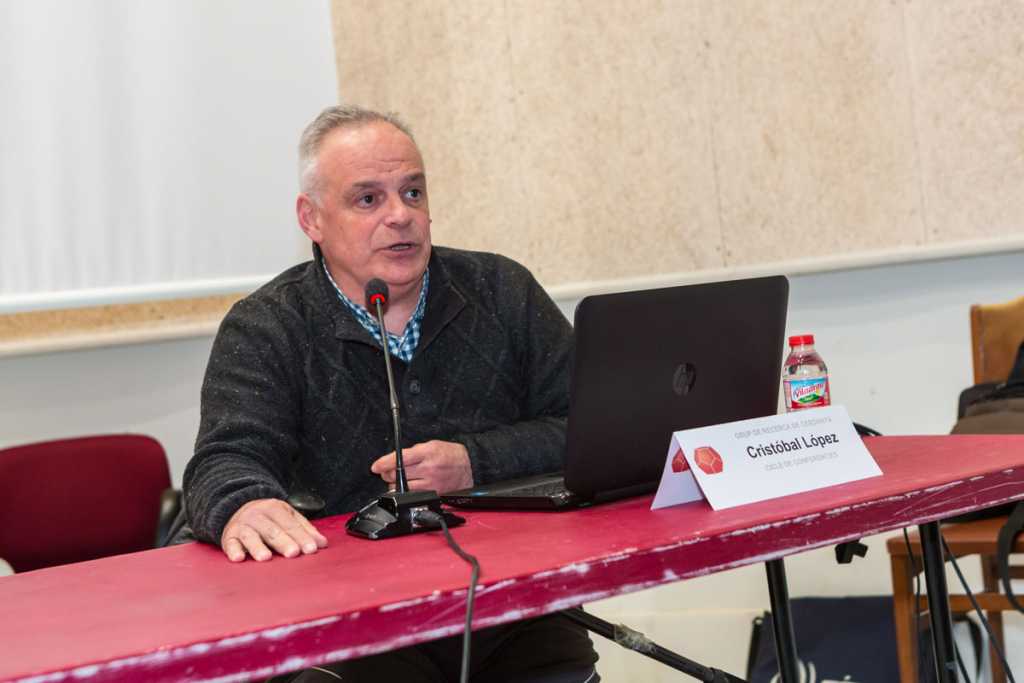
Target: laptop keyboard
(544, 489)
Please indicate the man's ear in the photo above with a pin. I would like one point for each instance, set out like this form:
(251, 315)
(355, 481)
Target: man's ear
(306, 211)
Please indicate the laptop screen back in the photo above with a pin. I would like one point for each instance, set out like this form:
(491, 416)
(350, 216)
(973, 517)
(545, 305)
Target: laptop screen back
(649, 363)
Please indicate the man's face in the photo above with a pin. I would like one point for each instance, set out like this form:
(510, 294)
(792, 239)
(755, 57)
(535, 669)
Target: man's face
(370, 216)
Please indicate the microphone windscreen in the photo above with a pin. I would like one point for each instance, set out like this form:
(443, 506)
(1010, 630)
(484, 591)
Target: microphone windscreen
(376, 289)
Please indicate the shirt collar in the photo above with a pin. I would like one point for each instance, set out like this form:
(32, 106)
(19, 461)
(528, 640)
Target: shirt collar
(402, 346)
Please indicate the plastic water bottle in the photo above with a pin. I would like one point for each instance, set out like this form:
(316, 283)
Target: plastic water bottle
(804, 375)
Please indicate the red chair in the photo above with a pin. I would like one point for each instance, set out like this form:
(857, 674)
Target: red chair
(79, 499)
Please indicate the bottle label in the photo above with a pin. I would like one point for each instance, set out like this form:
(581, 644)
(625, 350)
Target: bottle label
(807, 393)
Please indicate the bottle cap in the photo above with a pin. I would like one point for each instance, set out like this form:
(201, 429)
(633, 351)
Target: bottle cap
(801, 340)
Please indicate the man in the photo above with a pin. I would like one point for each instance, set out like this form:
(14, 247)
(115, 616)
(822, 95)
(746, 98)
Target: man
(295, 398)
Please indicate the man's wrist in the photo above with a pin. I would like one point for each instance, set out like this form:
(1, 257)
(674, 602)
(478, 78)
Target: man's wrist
(469, 445)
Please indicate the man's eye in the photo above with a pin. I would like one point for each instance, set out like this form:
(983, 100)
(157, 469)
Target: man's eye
(414, 193)
(365, 200)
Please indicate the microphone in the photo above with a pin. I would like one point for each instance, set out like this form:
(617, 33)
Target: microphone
(376, 293)
(399, 512)
(376, 300)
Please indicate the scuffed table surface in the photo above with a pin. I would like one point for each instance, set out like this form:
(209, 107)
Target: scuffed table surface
(186, 613)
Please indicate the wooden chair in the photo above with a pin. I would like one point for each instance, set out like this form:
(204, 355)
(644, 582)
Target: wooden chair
(997, 331)
(968, 538)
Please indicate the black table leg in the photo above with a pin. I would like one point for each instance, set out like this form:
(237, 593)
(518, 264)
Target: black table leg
(938, 603)
(782, 622)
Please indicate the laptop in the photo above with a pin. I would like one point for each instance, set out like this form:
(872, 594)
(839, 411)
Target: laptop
(647, 364)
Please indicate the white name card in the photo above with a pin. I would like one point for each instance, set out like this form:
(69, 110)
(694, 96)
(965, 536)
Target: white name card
(752, 460)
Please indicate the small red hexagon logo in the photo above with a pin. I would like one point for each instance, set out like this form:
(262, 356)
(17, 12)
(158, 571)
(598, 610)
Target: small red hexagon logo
(708, 459)
(679, 461)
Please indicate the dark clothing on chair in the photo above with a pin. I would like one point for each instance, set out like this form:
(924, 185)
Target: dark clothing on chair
(295, 398)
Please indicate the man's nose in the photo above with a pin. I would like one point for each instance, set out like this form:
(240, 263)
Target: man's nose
(397, 212)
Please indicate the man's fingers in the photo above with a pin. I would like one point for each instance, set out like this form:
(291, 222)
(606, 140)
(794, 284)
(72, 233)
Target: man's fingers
(411, 474)
(289, 533)
(428, 466)
(233, 549)
(253, 544)
(302, 534)
(383, 464)
(260, 528)
(319, 540)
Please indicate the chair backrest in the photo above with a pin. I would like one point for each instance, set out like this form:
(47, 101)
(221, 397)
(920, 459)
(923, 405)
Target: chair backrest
(78, 499)
(997, 331)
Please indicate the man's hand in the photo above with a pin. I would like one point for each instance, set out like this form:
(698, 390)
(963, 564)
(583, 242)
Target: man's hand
(440, 466)
(269, 522)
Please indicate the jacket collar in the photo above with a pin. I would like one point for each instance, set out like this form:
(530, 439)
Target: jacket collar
(346, 327)
(444, 300)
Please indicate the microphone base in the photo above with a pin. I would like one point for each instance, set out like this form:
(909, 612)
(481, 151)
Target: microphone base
(393, 514)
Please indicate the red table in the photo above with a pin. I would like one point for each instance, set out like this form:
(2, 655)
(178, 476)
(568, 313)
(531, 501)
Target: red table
(185, 613)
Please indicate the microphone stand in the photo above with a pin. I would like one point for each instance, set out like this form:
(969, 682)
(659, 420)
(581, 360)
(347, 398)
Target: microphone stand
(398, 512)
(401, 483)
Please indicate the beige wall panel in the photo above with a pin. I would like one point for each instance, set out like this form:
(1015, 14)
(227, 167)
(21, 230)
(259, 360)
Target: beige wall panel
(445, 68)
(616, 155)
(609, 140)
(813, 129)
(570, 136)
(968, 60)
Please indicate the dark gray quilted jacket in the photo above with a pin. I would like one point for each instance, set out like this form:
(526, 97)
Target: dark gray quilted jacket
(295, 396)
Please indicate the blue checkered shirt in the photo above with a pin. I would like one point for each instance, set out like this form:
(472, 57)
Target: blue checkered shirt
(400, 347)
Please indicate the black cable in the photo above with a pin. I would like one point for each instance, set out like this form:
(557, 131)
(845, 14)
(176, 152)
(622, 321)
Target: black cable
(981, 616)
(435, 519)
(960, 663)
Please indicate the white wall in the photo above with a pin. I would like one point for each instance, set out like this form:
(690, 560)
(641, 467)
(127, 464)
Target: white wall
(149, 147)
(896, 340)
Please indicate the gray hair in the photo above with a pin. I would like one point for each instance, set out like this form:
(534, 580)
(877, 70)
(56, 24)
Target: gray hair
(339, 116)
